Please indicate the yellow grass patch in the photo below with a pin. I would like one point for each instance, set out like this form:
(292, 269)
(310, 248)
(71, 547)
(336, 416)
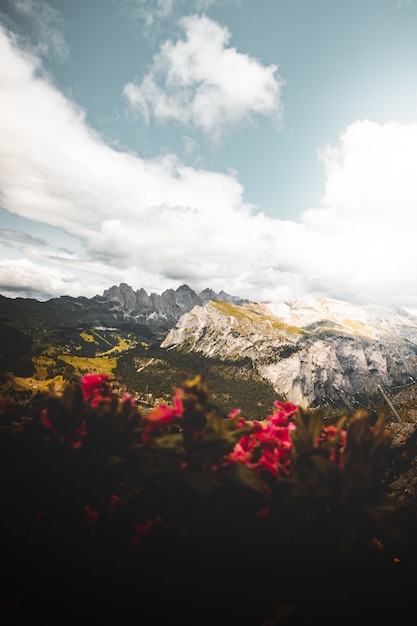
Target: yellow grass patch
(121, 347)
(257, 314)
(41, 364)
(35, 384)
(88, 337)
(98, 364)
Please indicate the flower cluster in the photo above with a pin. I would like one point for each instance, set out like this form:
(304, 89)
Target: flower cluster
(162, 416)
(96, 387)
(268, 445)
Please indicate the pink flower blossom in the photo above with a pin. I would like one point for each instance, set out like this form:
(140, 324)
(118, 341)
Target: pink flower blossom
(282, 411)
(268, 445)
(336, 452)
(240, 455)
(93, 384)
(160, 417)
(127, 397)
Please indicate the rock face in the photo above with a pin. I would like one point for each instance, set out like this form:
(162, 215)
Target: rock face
(118, 304)
(166, 308)
(313, 351)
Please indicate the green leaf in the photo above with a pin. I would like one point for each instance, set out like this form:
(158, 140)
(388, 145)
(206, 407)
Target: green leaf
(240, 475)
(202, 481)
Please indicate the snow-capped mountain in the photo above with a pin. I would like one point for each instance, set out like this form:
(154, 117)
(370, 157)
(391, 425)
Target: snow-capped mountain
(313, 350)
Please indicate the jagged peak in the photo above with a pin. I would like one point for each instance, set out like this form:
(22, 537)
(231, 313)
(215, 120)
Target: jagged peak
(185, 288)
(117, 291)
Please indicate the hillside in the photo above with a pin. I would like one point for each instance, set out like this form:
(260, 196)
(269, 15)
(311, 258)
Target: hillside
(315, 352)
(59, 340)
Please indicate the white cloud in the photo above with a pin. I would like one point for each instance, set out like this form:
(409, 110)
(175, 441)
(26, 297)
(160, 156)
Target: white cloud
(201, 81)
(373, 170)
(46, 28)
(22, 276)
(156, 11)
(365, 229)
(158, 223)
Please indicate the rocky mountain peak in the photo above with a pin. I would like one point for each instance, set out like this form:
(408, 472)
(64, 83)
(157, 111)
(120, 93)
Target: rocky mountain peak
(158, 309)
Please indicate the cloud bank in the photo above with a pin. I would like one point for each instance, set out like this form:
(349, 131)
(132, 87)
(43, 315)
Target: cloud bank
(199, 81)
(159, 223)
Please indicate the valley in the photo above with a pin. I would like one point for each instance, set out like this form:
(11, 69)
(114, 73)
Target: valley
(61, 355)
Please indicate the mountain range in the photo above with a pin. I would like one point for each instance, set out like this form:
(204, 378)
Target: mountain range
(118, 305)
(311, 351)
(314, 351)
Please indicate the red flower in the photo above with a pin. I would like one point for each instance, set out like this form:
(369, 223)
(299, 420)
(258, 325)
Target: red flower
(160, 417)
(268, 445)
(46, 421)
(141, 531)
(241, 452)
(128, 397)
(283, 410)
(93, 384)
(329, 433)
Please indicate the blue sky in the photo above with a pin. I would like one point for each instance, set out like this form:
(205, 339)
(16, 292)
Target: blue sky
(264, 147)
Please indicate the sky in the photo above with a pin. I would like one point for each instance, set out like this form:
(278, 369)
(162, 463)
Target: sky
(267, 148)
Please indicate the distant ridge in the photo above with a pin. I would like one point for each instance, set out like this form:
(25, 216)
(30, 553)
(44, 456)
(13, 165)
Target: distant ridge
(118, 305)
(167, 307)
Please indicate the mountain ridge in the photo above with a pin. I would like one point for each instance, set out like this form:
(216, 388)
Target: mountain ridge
(118, 304)
(309, 358)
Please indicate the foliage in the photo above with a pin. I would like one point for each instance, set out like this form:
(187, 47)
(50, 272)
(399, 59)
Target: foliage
(179, 511)
(231, 383)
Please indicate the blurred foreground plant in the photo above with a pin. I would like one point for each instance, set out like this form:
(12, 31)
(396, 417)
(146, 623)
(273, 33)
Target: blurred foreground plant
(109, 511)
